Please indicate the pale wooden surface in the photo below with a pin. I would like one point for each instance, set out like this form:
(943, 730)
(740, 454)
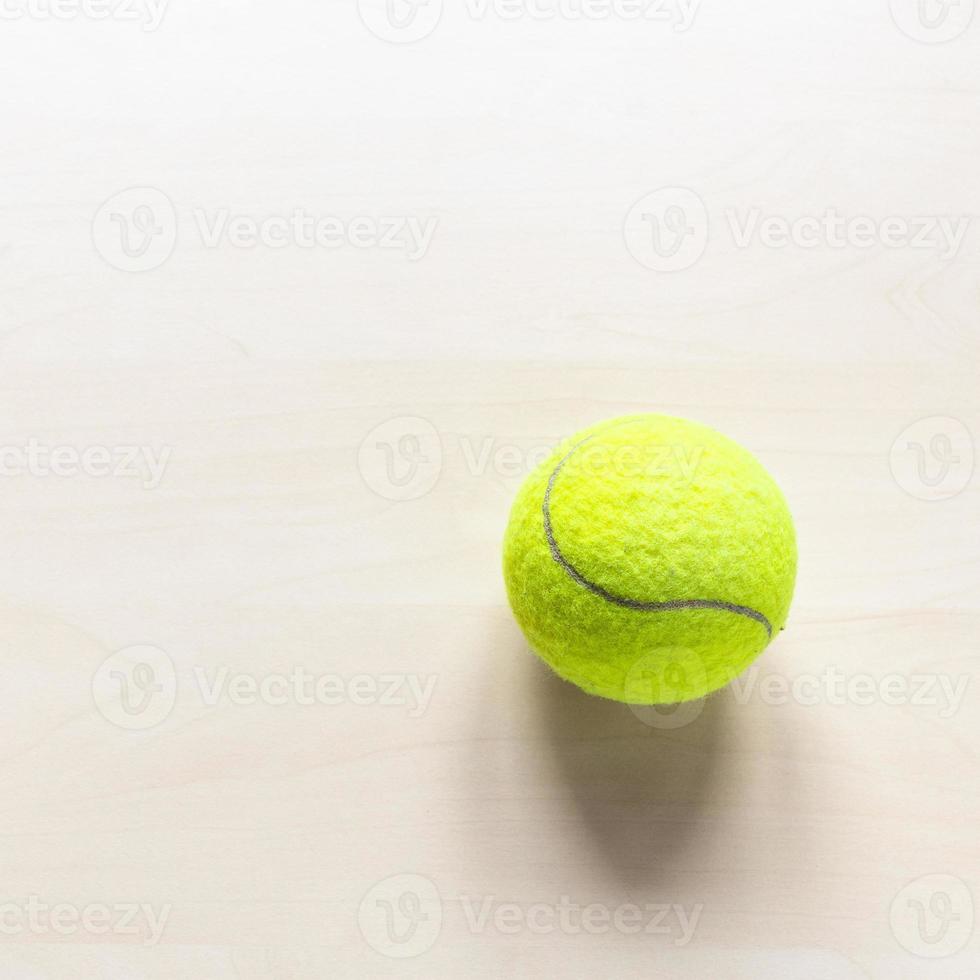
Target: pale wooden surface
(789, 828)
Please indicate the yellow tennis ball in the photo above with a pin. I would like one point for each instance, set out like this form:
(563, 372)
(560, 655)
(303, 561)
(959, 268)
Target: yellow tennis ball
(650, 559)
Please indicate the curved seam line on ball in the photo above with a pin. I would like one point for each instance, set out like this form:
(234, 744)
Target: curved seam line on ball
(637, 604)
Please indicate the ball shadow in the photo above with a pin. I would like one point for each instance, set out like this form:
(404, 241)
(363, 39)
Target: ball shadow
(638, 777)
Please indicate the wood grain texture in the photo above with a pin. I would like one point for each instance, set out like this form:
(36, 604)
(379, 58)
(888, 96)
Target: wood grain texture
(345, 753)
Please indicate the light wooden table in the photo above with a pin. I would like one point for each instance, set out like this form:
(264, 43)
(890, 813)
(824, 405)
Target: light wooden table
(288, 311)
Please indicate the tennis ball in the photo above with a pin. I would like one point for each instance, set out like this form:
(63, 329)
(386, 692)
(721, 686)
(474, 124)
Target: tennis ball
(650, 559)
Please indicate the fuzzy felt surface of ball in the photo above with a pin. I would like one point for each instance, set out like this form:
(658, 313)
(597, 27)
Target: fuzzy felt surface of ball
(650, 559)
